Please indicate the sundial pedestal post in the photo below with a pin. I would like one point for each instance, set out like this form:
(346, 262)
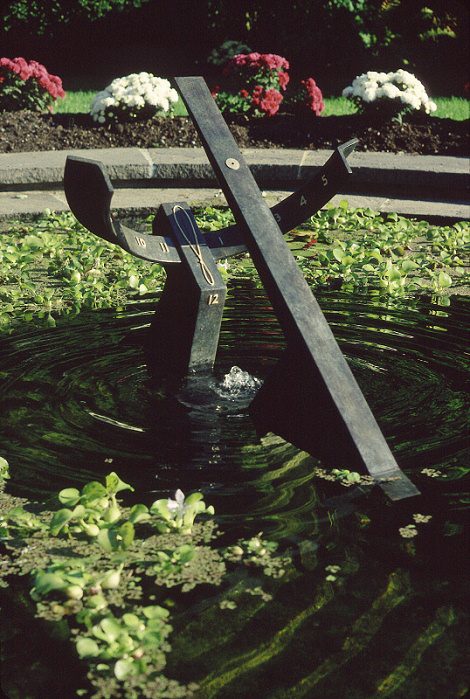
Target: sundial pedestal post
(184, 333)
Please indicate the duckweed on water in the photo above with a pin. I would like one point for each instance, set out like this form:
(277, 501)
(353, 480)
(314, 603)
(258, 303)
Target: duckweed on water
(55, 267)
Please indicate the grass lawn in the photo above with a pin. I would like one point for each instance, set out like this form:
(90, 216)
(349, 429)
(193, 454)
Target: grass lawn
(457, 108)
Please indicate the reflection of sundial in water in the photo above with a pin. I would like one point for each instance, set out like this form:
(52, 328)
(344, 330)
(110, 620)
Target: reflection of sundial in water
(311, 398)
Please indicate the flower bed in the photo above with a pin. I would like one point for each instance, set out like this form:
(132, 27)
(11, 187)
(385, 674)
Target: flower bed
(425, 135)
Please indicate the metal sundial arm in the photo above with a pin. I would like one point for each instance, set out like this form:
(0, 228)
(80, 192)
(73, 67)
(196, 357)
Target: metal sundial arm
(294, 209)
(89, 191)
(312, 386)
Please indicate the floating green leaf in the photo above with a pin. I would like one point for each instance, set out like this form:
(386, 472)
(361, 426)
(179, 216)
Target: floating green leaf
(87, 648)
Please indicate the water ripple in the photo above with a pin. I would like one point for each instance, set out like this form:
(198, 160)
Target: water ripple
(78, 401)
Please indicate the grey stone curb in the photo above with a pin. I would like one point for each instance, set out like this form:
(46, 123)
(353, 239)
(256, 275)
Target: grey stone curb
(34, 179)
(185, 165)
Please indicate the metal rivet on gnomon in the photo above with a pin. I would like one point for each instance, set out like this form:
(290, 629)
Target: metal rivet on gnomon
(232, 163)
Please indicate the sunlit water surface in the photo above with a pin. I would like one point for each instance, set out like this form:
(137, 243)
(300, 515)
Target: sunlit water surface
(78, 401)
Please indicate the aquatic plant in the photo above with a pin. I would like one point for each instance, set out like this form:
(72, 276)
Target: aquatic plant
(54, 267)
(102, 581)
(361, 249)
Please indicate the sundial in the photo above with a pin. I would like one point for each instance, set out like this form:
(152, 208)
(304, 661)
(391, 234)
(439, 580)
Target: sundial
(311, 398)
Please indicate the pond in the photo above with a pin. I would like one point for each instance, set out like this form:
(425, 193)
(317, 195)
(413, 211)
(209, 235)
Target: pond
(375, 603)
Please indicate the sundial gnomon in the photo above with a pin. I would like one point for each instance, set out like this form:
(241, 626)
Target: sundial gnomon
(311, 398)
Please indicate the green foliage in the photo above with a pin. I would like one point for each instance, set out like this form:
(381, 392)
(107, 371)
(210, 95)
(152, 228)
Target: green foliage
(44, 16)
(179, 514)
(4, 472)
(96, 513)
(108, 598)
(55, 267)
(456, 108)
(223, 53)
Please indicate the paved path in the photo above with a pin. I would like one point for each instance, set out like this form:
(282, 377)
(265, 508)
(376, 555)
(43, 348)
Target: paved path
(433, 187)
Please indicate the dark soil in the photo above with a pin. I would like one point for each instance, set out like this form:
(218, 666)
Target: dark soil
(30, 131)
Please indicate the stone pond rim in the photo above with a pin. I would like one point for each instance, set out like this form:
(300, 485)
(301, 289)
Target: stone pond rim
(421, 135)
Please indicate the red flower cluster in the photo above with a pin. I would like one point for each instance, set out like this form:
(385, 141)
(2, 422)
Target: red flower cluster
(267, 68)
(18, 66)
(255, 83)
(263, 61)
(39, 87)
(266, 101)
(314, 98)
(263, 76)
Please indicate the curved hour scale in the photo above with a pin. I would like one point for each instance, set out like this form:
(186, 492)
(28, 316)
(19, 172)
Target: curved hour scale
(311, 398)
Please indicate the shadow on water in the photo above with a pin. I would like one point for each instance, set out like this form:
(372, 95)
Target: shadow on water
(77, 402)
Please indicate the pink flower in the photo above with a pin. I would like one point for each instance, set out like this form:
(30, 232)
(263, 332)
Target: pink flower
(314, 97)
(283, 79)
(20, 66)
(270, 103)
(244, 93)
(34, 75)
(274, 62)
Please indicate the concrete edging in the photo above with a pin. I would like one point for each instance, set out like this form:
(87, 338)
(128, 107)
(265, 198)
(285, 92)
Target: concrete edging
(436, 181)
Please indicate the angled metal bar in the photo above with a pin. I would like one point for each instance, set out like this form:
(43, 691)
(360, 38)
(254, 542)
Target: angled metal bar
(352, 425)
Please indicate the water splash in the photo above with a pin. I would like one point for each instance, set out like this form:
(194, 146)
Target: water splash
(238, 385)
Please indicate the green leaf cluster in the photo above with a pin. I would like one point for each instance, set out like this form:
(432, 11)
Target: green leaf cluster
(55, 268)
(42, 17)
(107, 598)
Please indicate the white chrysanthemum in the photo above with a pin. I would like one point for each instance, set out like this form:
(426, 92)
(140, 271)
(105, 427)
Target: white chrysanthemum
(400, 88)
(369, 94)
(389, 90)
(143, 93)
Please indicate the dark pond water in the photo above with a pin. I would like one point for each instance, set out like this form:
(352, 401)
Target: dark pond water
(78, 401)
